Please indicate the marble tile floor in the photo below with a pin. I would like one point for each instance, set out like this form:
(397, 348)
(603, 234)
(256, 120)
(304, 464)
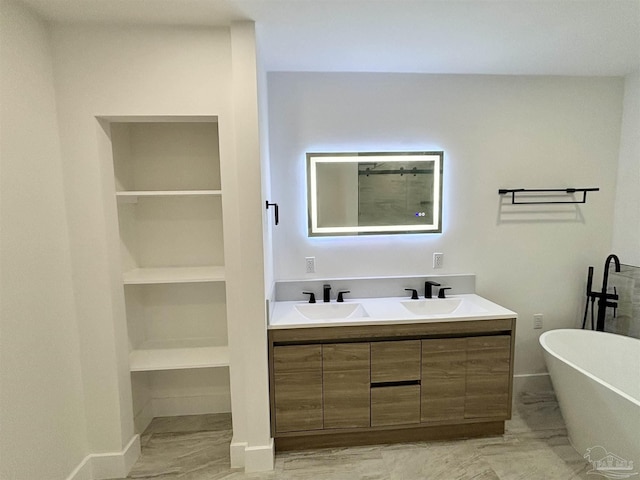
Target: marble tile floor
(534, 447)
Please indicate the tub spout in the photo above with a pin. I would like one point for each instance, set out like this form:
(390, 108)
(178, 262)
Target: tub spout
(603, 296)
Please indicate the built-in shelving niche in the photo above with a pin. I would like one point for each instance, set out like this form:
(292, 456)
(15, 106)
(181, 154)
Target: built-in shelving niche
(169, 194)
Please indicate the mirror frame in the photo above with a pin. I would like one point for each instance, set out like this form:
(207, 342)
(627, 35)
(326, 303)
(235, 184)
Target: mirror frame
(313, 159)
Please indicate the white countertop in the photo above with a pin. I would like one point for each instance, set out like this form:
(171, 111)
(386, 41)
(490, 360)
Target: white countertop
(389, 310)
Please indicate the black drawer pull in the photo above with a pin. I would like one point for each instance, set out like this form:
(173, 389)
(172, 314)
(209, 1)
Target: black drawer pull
(401, 383)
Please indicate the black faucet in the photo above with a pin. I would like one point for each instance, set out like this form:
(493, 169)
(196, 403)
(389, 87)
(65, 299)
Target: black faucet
(603, 296)
(326, 298)
(312, 296)
(428, 293)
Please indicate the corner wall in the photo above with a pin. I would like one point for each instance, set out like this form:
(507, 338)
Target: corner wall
(626, 232)
(496, 132)
(248, 335)
(42, 416)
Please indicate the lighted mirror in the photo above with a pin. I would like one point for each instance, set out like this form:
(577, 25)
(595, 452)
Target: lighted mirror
(374, 193)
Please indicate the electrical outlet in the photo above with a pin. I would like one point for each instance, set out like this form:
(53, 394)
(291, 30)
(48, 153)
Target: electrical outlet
(310, 264)
(537, 321)
(438, 260)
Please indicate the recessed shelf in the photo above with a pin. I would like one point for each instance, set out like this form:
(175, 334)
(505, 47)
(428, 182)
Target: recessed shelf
(177, 355)
(147, 276)
(168, 191)
(165, 193)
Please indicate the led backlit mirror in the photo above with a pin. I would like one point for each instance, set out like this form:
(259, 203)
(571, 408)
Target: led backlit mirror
(374, 193)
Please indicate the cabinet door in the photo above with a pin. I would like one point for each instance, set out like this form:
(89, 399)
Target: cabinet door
(346, 384)
(488, 364)
(395, 361)
(443, 379)
(298, 387)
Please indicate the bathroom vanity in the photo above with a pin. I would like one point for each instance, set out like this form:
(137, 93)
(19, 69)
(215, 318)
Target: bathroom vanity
(389, 370)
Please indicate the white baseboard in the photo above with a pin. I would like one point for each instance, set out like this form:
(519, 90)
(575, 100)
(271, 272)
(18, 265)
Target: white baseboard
(82, 471)
(236, 451)
(104, 466)
(193, 405)
(259, 459)
(252, 459)
(531, 383)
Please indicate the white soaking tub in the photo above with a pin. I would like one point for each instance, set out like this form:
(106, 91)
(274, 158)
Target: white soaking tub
(596, 378)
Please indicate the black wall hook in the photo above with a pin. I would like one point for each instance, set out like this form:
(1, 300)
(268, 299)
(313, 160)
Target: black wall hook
(276, 214)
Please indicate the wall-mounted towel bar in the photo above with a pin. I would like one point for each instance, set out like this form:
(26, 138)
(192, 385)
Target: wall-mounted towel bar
(544, 195)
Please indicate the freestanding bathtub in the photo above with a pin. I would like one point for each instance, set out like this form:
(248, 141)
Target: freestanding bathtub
(596, 378)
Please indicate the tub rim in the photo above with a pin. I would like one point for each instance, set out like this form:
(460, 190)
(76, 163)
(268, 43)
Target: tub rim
(542, 340)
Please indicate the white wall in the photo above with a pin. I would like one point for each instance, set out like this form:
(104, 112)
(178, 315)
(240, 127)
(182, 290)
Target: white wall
(42, 416)
(496, 132)
(268, 221)
(626, 232)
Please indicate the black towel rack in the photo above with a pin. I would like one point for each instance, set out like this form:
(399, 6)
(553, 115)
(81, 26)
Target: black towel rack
(568, 191)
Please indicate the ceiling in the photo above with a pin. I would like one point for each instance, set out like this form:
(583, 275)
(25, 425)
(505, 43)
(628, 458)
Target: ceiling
(516, 37)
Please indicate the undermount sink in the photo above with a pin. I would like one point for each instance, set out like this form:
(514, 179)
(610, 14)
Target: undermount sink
(327, 311)
(436, 306)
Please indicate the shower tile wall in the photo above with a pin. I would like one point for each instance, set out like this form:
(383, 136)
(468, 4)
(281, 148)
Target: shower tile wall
(627, 319)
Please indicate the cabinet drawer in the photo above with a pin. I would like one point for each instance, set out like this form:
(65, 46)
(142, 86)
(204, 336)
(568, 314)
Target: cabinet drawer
(399, 405)
(395, 361)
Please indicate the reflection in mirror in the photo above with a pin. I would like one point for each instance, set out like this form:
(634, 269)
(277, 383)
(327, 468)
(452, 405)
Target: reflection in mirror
(374, 193)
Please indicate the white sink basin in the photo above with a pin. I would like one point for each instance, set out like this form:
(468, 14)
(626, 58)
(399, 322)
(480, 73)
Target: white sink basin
(327, 311)
(435, 306)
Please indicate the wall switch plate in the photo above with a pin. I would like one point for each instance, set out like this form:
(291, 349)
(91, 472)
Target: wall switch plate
(310, 264)
(537, 321)
(438, 260)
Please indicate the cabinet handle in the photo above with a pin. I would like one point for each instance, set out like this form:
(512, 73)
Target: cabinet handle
(400, 383)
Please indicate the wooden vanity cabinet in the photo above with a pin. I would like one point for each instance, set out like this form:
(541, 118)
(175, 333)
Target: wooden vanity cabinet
(349, 385)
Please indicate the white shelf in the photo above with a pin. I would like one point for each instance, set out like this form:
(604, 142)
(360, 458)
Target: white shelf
(132, 194)
(177, 355)
(146, 276)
